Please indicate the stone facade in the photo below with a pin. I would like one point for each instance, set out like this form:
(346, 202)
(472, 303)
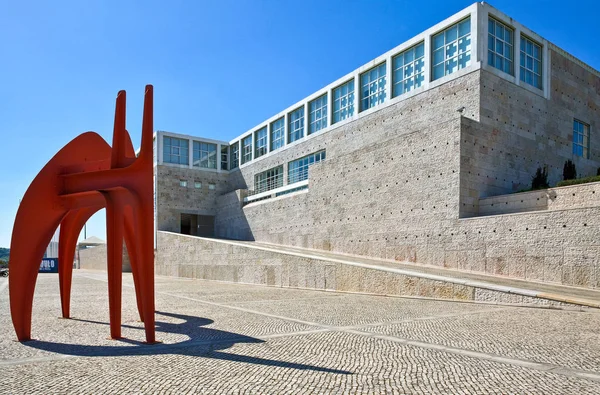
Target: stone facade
(415, 180)
(94, 258)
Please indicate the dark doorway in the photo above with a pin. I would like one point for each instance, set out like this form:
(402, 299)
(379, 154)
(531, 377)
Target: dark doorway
(198, 225)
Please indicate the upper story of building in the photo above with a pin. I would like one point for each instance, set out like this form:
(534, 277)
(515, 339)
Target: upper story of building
(479, 37)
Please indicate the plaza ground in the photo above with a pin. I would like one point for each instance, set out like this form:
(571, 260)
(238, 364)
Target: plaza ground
(231, 338)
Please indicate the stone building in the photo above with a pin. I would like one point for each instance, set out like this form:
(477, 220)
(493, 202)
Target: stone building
(416, 156)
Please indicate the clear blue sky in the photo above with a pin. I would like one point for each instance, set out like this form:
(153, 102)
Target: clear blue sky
(218, 67)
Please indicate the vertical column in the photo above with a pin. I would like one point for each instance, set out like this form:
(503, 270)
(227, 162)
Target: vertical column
(545, 69)
(427, 60)
(286, 128)
(218, 157)
(306, 120)
(190, 153)
(159, 148)
(388, 79)
(268, 136)
(475, 41)
(517, 48)
(356, 94)
(329, 107)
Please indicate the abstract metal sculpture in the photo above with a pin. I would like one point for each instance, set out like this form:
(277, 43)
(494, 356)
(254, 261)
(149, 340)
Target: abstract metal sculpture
(83, 177)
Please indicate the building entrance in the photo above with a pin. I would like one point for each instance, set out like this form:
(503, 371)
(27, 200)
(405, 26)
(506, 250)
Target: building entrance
(198, 225)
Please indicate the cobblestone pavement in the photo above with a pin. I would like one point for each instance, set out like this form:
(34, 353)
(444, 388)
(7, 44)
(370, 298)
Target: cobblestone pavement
(222, 338)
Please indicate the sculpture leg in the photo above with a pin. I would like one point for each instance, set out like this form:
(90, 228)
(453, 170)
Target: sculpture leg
(145, 240)
(133, 258)
(70, 227)
(114, 234)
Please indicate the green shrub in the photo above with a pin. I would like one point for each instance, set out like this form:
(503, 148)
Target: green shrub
(569, 172)
(578, 181)
(540, 179)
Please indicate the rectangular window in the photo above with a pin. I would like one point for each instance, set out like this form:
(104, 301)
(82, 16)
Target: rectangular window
(197, 184)
(581, 139)
(343, 101)
(269, 179)
(183, 183)
(408, 70)
(247, 149)
(205, 155)
(317, 114)
(224, 157)
(372, 85)
(451, 49)
(260, 142)
(212, 187)
(298, 169)
(175, 150)
(531, 62)
(500, 46)
(235, 155)
(296, 125)
(277, 134)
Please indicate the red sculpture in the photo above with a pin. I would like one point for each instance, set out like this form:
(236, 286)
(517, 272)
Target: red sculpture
(82, 178)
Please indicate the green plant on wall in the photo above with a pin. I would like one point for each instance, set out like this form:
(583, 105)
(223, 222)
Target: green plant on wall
(569, 171)
(540, 179)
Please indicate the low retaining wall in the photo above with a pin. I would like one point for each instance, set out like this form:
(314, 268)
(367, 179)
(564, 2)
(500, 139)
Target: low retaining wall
(220, 260)
(560, 198)
(95, 258)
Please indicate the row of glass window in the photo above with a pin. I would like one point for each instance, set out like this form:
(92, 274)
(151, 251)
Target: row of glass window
(197, 185)
(297, 171)
(501, 53)
(204, 155)
(451, 51)
(581, 139)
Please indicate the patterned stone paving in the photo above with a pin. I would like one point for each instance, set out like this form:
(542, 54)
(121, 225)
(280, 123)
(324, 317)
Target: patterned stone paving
(220, 338)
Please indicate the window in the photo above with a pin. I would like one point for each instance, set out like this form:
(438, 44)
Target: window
(197, 184)
(175, 150)
(247, 149)
(581, 139)
(183, 183)
(277, 134)
(260, 139)
(235, 155)
(343, 101)
(298, 169)
(451, 49)
(317, 114)
(500, 46)
(224, 157)
(531, 62)
(267, 180)
(205, 155)
(296, 125)
(212, 187)
(409, 70)
(372, 84)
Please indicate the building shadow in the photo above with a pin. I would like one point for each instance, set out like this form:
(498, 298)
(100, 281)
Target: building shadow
(202, 342)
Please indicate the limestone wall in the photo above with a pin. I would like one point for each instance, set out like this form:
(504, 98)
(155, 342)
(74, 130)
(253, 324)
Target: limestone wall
(95, 258)
(520, 131)
(173, 199)
(561, 198)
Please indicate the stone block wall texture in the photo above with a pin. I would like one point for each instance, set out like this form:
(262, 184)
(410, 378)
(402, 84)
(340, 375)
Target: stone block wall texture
(95, 259)
(519, 131)
(561, 198)
(402, 182)
(192, 257)
(172, 199)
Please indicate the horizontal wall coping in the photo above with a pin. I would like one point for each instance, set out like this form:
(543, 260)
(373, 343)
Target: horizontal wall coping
(542, 191)
(276, 190)
(405, 272)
